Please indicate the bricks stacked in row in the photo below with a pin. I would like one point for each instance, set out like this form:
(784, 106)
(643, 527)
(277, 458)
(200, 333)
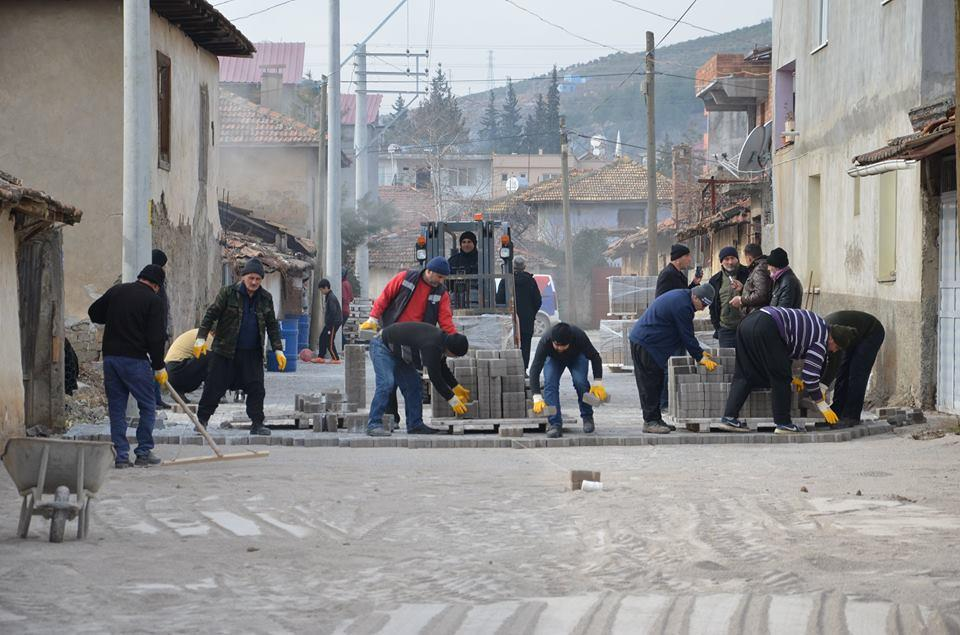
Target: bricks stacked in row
(496, 382)
(465, 370)
(630, 295)
(359, 312)
(610, 342)
(355, 374)
(695, 393)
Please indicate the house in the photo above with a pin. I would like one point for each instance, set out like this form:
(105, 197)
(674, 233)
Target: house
(530, 169)
(631, 250)
(62, 132)
(31, 379)
(463, 176)
(393, 250)
(271, 77)
(878, 234)
(269, 160)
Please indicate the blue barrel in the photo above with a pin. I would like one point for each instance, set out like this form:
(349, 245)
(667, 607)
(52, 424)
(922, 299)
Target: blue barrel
(288, 333)
(303, 340)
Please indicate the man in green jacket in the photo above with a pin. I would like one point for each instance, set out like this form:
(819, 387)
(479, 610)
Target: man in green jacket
(241, 313)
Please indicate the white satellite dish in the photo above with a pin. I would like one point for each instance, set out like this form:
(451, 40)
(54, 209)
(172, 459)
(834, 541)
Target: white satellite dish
(597, 140)
(513, 184)
(752, 151)
(393, 148)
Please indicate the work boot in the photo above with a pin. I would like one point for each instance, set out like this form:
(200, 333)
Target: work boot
(656, 427)
(378, 431)
(163, 405)
(260, 430)
(588, 425)
(424, 429)
(554, 432)
(732, 424)
(845, 423)
(148, 459)
(120, 465)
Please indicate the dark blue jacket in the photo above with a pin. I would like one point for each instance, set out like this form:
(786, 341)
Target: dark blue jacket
(666, 325)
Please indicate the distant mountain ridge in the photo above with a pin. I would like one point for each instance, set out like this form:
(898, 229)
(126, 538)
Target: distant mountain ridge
(599, 106)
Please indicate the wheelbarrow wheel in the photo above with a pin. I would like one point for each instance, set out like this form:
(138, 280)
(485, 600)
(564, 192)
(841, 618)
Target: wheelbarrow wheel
(58, 522)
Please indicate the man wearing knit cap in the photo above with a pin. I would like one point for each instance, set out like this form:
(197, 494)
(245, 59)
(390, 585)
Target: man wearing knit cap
(851, 368)
(464, 262)
(413, 296)
(132, 358)
(666, 325)
(240, 313)
(728, 282)
(674, 275)
(787, 290)
(159, 258)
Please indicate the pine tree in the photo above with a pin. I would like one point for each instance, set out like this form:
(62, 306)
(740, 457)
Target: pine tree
(531, 134)
(399, 123)
(510, 123)
(541, 130)
(551, 122)
(490, 126)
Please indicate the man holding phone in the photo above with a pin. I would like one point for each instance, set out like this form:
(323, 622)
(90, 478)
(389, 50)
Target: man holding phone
(728, 283)
(674, 275)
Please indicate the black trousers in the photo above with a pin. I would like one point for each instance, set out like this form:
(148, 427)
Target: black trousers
(328, 342)
(763, 361)
(854, 373)
(525, 338)
(243, 372)
(188, 374)
(650, 382)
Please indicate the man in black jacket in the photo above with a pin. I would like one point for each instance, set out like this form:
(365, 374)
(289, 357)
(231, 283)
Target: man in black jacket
(728, 282)
(399, 355)
(133, 315)
(159, 258)
(527, 300)
(851, 366)
(332, 320)
(565, 346)
(674, 275)
(787, 290)
(464, 293)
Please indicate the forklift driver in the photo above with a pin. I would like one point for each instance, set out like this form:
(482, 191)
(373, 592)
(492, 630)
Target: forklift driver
(464, 262)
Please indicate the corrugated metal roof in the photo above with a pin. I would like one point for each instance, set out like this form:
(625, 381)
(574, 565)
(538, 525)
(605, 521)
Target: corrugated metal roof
(348, 108)
(249, 70)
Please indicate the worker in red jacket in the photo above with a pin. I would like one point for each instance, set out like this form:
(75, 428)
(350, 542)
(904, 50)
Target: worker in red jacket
(413, 296)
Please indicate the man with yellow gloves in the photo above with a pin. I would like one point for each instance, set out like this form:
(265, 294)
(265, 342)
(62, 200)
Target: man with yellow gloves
(565, 346)
(767, 341)
(187, 368)
(399, 355)
(241, 313)
(666, 326)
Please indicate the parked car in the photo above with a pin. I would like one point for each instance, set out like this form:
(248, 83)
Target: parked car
(549, 313)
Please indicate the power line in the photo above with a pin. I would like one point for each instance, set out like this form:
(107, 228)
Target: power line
(660, 15)
(250, 15)
(682, 16)
(563, 28)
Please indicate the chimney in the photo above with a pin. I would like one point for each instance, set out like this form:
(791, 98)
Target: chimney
(271, 87)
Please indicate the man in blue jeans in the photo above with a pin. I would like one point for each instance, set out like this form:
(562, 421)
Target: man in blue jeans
(565, 346)
(399, 355)
(132, 358)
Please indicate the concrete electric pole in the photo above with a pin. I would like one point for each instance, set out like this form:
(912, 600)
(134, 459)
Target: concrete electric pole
(652, 242)
(567, 231)
(320, 211)
(360, 142)
(137, 151)
(333, 237)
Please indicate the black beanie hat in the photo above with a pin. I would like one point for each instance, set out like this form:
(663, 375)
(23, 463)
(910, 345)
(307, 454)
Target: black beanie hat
(678, 251)
(843, 335)
(778, 258)
(159, 258)
(253, 266)
(728, 251)
(457, 344)
(152, 273)
(468, 235)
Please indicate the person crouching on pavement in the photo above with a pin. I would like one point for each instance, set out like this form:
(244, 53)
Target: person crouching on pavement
(666, 326)
(851, 368)
(135, 331)
(399, 355)
(332, 319)
(565, 346)
(241, 312)
(186, 372)
(766, 342)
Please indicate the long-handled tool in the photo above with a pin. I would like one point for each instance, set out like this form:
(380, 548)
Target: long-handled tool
(218, 453)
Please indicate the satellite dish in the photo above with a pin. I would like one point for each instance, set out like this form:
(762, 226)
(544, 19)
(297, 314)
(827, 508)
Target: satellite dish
(753, 148)
(513, 184)
(393, 148)
(597, 140)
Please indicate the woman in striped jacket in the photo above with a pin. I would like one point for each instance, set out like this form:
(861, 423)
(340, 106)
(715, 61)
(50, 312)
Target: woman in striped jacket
(767, 341)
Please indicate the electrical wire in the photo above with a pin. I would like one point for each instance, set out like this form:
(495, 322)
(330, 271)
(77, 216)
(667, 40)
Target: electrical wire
(271, 7)
(563, 28)
(660, 15)
(682, 16)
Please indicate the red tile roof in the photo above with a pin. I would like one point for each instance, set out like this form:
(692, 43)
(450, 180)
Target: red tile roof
(622, 180)
(249, 70)
(348, 108)
(242, 121)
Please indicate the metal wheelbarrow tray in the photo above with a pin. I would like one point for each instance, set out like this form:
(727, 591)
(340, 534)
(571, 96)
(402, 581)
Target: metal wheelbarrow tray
(60, 467)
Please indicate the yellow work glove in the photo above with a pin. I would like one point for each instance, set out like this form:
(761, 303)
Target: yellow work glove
(459, 408)
(598, 391)
(827, 412)
(539, 405)
(797, 384)
(372, 324)
(199, 347)
(708, 363)
(462, 393)
(281, 360)
(161, 376)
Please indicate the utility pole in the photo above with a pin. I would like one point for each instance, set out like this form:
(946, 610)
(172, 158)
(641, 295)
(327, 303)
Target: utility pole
(652, 242)
(137, 78)
(320, 209)
(956, 129)
(360, 142)
(567, 232)
(333, 236)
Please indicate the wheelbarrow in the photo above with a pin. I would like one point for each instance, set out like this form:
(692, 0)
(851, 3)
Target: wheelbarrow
(60, 467)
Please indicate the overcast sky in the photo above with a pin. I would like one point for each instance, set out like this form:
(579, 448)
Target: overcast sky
(465, 30)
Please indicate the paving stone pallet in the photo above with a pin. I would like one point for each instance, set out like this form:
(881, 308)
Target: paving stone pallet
(756, 425)
(496, 382)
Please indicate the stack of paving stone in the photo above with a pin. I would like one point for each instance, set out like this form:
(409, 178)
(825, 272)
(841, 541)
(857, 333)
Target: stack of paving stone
(326, 410)
(613, 343)
(695, 393)
(491, 332)
(901, 416)
(359, 312)
(496, 382)
(630, 295)
(355, 374)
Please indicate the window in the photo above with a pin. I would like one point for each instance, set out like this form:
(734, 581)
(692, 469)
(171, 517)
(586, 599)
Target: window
(204, 136)
(813, 227)
(856, 197)
(548, 176)
(631, 217)
(785, 107)
(163, 111)
(504, 177)
(887, 243)
(822, 24)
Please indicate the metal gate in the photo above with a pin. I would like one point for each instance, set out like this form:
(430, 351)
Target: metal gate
(948, 325)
